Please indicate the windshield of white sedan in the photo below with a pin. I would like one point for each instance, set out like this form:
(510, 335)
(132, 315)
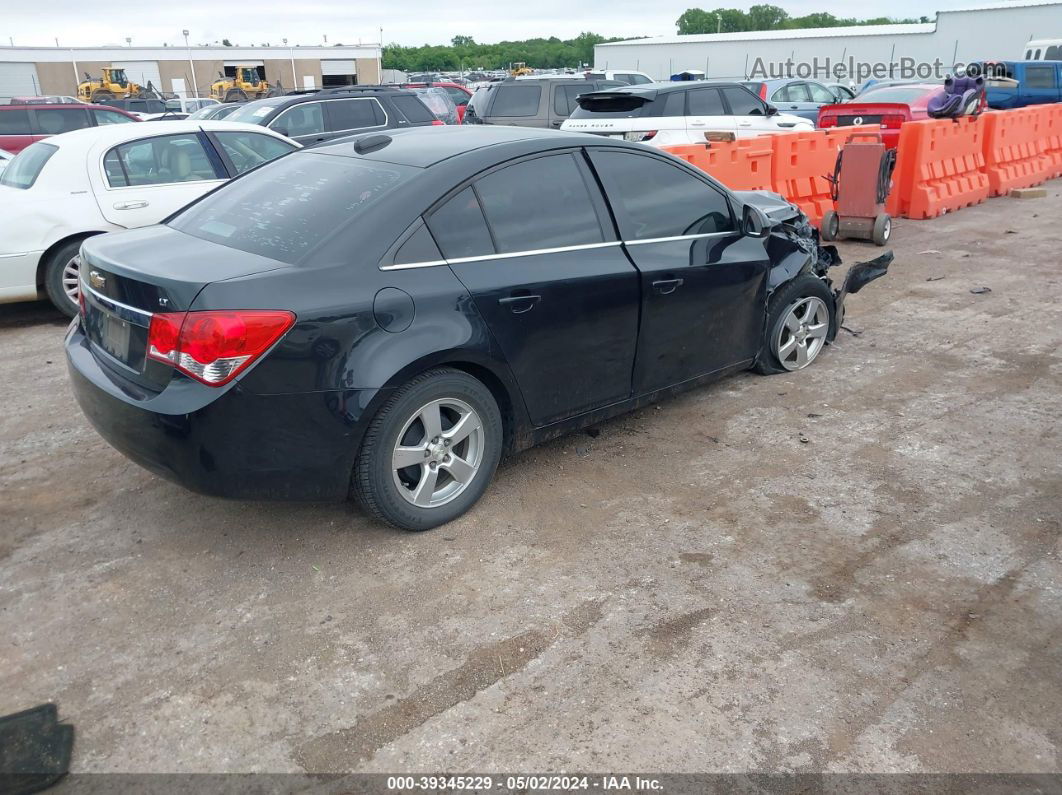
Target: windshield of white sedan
(283, 210)
(23, 171)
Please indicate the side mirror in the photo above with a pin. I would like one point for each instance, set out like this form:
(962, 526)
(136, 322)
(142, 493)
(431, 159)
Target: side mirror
(754, 222)
(772, 110)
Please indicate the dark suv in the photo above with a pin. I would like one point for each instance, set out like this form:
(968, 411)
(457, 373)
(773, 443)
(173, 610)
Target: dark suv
(310, 117)
(531, 101)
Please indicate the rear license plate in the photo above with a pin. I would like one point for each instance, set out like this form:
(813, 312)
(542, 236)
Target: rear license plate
(858, 121)
(114, 338)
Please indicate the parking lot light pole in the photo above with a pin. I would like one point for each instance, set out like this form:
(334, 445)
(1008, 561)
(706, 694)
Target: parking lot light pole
(187, 46)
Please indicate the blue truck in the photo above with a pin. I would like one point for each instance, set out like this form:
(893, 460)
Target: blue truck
(1016, 84)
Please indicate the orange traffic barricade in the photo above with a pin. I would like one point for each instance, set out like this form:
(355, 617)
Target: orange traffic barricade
(1053, 138)
(1015, 147)
(744, 164)
(940, 167)
(801, 170)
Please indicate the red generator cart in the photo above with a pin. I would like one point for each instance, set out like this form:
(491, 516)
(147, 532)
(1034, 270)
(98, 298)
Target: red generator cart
(861, 181)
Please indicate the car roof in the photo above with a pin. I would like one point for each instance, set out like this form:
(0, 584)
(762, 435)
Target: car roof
(111, 134)
(424, 146)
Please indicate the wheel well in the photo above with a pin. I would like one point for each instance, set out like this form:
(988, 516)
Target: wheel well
(498, 391)
(47, 255)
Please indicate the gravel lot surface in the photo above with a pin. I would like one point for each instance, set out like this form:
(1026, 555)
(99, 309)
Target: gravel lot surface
(851, 568)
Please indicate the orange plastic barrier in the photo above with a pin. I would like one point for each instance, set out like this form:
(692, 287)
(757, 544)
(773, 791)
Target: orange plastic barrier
(939, 167)
(1053, 138)
(800, 171)
(1014, 148)
(744, 164)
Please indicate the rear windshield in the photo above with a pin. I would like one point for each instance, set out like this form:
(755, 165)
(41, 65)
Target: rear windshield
(619, 105)
(900, 94)
(286, 208)
(23, 171)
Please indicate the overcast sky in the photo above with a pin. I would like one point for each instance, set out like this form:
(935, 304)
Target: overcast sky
(409, 22)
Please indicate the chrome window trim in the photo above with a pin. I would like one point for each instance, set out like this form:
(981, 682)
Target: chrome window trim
(558, 250)
(123, 311)
(677, 237)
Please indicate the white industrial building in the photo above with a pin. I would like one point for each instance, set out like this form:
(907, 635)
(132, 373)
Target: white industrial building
(995, 32)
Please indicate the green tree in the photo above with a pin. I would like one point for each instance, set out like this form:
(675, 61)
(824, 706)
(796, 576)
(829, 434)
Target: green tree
(766, 17)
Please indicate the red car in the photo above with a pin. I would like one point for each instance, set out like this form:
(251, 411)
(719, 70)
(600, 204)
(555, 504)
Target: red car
(22, 125)
(883, 109)
(458, 93)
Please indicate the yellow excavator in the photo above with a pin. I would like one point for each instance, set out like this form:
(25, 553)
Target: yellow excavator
(520, 68)
(114, 85)
(244, 85)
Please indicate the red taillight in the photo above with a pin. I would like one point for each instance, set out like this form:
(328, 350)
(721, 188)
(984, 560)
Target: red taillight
(892, 122)
(80, 299)
(763, 91)
(214, 347)
(828, 121)
(438, 123)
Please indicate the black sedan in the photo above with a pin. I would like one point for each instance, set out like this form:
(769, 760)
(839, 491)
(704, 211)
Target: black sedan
(388, 315)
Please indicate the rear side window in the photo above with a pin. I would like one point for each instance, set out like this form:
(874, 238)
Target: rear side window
(53, 121)
(26, 166)
(159, 161)
(1040, 76)
(516, 100)
(742, 102)
(675, 104)
(351, 114)
(819, 93)
(705, 102)
(459, 227)
(659, 199)
(283, 211)
(15, 122)
(246, 150)
(412, 108)
(639, 80)
(564, 214)
(564, 99)
(457, 95)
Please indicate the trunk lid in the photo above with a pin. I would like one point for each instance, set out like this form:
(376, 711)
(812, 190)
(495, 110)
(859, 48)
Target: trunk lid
(129, 276)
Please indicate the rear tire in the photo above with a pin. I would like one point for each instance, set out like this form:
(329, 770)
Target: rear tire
(831, 226)
(61, 278)
(446, 428)
(882, 229)
(800, 320)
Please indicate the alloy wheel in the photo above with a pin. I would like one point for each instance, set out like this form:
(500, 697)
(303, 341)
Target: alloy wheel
(802, 334)
(438, 452)
(70, 278)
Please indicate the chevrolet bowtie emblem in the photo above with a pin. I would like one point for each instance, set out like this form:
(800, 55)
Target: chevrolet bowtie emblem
(96, 280)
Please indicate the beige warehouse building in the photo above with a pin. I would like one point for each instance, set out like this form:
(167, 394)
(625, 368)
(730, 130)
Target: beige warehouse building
(29, 71)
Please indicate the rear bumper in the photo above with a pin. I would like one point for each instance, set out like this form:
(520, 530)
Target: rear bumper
(240, 445)
(18, 277)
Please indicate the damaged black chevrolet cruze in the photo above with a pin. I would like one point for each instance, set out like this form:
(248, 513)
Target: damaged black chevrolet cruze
(387, 316)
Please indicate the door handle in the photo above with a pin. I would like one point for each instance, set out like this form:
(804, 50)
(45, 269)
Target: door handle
(518, 304)
(133, 205)
(666, 286)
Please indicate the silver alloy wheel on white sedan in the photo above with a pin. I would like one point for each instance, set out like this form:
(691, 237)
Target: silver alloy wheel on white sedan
(438, 452)
(70, 278)
(802, 335)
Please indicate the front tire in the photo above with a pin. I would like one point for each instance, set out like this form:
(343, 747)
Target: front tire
(800, 318)
(430, 452)
(61, 277)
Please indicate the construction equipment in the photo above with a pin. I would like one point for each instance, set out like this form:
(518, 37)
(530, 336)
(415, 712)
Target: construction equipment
(114, 85)
(245, 84)
(862, 179)
(519, 69)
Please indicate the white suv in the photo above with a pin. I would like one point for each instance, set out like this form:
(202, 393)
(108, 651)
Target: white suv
(628, 76)
(666, 114)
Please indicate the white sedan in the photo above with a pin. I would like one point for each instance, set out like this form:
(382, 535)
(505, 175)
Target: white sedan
(59, 191)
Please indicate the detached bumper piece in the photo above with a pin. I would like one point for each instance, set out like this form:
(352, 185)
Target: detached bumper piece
(35, 750)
